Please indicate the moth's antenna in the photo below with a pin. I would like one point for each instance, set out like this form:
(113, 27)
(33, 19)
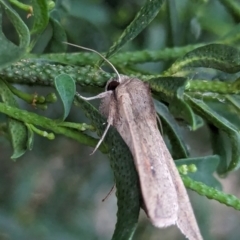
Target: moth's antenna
(92, 50)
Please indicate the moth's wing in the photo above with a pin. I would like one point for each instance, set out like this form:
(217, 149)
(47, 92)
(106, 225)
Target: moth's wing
(137, 125)
(186, 220)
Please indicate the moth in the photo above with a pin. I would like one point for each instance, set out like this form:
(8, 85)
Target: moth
(128, 106)
(130, 109)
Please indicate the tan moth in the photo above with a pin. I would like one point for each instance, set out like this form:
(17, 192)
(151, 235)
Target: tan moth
(128, 106)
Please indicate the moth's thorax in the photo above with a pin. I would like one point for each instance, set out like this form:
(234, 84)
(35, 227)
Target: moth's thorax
(130, 93)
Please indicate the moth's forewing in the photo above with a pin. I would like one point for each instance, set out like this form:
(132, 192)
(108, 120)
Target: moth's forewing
(136, 123)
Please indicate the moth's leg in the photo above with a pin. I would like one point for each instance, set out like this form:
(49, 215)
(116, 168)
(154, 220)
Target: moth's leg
(100, 95)
(109, 193)
(101, 139)
(111, 114)
(110, 117)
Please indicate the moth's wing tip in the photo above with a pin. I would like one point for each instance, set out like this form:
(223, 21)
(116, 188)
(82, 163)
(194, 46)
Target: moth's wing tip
(189, 233)
(163, 222)
(163, 217)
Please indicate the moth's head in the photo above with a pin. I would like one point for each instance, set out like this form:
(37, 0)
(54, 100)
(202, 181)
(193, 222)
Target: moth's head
(113, 83)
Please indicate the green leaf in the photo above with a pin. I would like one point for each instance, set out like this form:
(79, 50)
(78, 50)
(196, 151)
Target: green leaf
(216, 56)
(17, 130)
(222, 143)
(66, 89)
(30, 137)
(19, 137)
(227, 107)
(171, 89)
(222, 146)
(41, 16)
(9, 52)
(180, 108)
(59, 36)
(168, 87)
(146, 14)
(171, 128)
(222, 123)
(206, 166)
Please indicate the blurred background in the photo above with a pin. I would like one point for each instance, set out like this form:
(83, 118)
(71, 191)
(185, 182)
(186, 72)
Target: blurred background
(55, 191)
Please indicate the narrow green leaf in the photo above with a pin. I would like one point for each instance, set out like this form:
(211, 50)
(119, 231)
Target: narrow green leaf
(229, 109)
(146, 14)
(181, 109)
(19, 137)
(222, 123)
(168, 88)
(171, 128)
(30, 137)
(20, 26)
(17, 130)
(9, 52)
(41, 16)
(226, 109)
(66, 89)
(59, 36)
(171, 89)
(221, 145)
(216, 56)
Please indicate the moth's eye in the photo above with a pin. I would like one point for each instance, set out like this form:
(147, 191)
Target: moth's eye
(112, 85)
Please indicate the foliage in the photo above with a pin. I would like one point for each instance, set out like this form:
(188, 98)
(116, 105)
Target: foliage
(193, 72)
